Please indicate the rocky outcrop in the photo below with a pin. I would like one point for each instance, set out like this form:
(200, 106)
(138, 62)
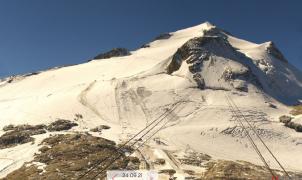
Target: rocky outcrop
(229, 170)
(163, 36)
(297, 127)
(100, 128)
(61, 125)
(287, 120)
(274, 51)
(20, 134)
(68, 156)
(197, 51)
(116, 52)
(193, 53)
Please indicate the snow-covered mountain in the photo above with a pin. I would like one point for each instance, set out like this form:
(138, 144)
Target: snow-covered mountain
(200, 65)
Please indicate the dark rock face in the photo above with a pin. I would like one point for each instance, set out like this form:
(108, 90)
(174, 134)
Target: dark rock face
(216, 32)
(61, 125)
(100, 128)
(159, 37)
(199, 80)
(274, 51)
(19, 134)
(297, 127)
(116, 52)
(193, 49)
(211, 47)
(195, 52)
(25, 127)
(68, 156)
(163, 36)
(145, 46)
(12, 139)
(285, 119)
(228, 74)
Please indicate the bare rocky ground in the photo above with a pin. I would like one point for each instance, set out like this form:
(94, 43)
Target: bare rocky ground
(21, 134)
(288, 120)
(240, 170)
(68, 156)
(296, 110)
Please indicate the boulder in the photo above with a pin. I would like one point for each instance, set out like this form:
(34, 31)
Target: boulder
(285, 119)
(61, 125)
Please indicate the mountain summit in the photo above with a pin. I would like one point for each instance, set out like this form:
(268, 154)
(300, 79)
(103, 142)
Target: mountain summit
(194, 72)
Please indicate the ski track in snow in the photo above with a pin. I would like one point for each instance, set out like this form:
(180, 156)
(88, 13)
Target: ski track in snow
(84, 101)
(129, 103)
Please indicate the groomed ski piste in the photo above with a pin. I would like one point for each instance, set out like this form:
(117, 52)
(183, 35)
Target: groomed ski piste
(128, 93)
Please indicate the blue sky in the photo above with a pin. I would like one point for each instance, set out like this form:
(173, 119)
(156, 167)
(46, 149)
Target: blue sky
(36, 34)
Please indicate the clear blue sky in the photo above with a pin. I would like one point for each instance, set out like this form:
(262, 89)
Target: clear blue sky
(39, 34)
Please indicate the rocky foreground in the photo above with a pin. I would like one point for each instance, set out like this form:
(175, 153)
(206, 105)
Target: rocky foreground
(69, 155)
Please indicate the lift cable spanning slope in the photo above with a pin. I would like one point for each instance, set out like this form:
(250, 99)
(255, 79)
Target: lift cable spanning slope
(249, 137)
(159, 119)
(142, 144)
(253, 129)
(231, 103)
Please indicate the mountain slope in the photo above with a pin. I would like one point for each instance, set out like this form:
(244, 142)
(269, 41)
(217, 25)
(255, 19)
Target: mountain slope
(197, 65)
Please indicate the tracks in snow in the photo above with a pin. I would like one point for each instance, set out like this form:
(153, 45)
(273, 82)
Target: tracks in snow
(129, 105)
(82, 98)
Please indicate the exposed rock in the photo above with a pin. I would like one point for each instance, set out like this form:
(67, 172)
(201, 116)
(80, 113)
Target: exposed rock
(285, 119)
(13, 138)
(60, 125)
(199, 80)
(19, 134)
(163, 36)
(296, 110)
(237, 77)
(31, 74)
(235, 170)
(159, 37)
(25, 127)
(78, 116)
(116, 52)
(145, 46)
(240, 170)
(197, 51)
(69, 156)
(272, 105)
(194, 53)
(160, 161)
(100, 128)
(215, 31)
(295, 126)
(231, 74)
(274, 51)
